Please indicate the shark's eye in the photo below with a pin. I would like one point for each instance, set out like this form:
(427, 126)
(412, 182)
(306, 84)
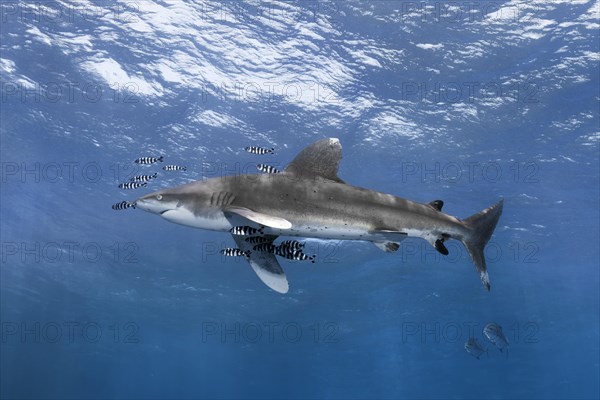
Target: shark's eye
(159, 197)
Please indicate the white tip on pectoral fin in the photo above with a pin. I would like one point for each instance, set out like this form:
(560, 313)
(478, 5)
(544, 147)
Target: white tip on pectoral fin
(485, 279)
(259, 218)
(265, 265)
(277, 282)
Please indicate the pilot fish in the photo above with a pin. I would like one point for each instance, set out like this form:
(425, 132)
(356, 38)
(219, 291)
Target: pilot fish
(245, 231)
(131, 185)
(265, 248)
(148, 160)
(143, 178)
(267, 168)
(232, 252)
(172, 167)
(259, 150)
(123, 205)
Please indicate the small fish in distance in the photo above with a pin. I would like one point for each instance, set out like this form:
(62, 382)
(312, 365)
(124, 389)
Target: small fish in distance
(265, 248)
(232, 252)
(132, 185)
(259, 150)
(148, 160)
(297, 255)
(245, 231)
(123, 205)
(291, 244)
(172, 167)
(257, 239)
(267, 168)
(143, 178)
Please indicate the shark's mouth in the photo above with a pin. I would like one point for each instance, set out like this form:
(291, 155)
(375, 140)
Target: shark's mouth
(162, 212)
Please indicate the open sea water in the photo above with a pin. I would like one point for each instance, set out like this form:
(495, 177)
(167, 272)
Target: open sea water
(467, 102)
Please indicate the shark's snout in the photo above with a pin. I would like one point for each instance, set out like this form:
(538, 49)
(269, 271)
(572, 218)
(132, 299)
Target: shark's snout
(152, 203)
(142, 204)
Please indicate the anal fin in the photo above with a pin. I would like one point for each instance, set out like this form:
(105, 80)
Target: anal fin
(439, 246)
(438, 242)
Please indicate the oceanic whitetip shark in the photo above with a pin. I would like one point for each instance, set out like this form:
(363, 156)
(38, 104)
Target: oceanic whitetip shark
(308, 199)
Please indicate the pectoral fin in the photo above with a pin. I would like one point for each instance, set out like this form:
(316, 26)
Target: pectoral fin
(265, 265)
(259, 218)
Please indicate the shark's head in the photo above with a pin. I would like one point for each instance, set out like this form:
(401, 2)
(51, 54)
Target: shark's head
(188, 205)
(160, 202)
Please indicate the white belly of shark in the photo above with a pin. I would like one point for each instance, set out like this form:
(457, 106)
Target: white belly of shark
(218, 222)
(185, 217)
(221, 223)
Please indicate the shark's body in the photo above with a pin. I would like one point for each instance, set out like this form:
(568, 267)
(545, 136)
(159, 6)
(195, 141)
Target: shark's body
(310, 200)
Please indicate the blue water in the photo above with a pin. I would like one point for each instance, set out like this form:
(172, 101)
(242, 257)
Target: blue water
(466, 102)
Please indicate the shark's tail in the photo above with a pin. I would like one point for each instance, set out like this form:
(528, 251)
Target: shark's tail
(481, 227)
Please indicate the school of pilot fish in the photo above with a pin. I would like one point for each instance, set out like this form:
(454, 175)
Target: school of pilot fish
(139, 181)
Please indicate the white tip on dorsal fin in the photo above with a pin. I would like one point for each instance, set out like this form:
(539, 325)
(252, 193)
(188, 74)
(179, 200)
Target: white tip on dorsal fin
(321, 159)
(259, 218)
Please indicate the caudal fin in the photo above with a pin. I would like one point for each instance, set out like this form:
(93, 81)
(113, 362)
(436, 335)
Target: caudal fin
(481, 226)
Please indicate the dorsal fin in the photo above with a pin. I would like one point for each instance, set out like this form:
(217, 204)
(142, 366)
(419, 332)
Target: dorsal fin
(321, 159)
(437, 204)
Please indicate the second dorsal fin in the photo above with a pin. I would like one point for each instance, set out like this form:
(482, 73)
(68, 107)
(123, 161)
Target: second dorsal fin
(437, 204)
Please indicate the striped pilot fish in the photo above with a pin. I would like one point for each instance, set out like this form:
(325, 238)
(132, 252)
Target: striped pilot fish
(172, 167)
(233, 252)
(265, 248)
(267, 168)
(148, 160)
(259, 150)
(132, 185)
(297, 255)
(123, 205)
(246, 231)
(143, 178)
(291, 244)
(257, 239)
